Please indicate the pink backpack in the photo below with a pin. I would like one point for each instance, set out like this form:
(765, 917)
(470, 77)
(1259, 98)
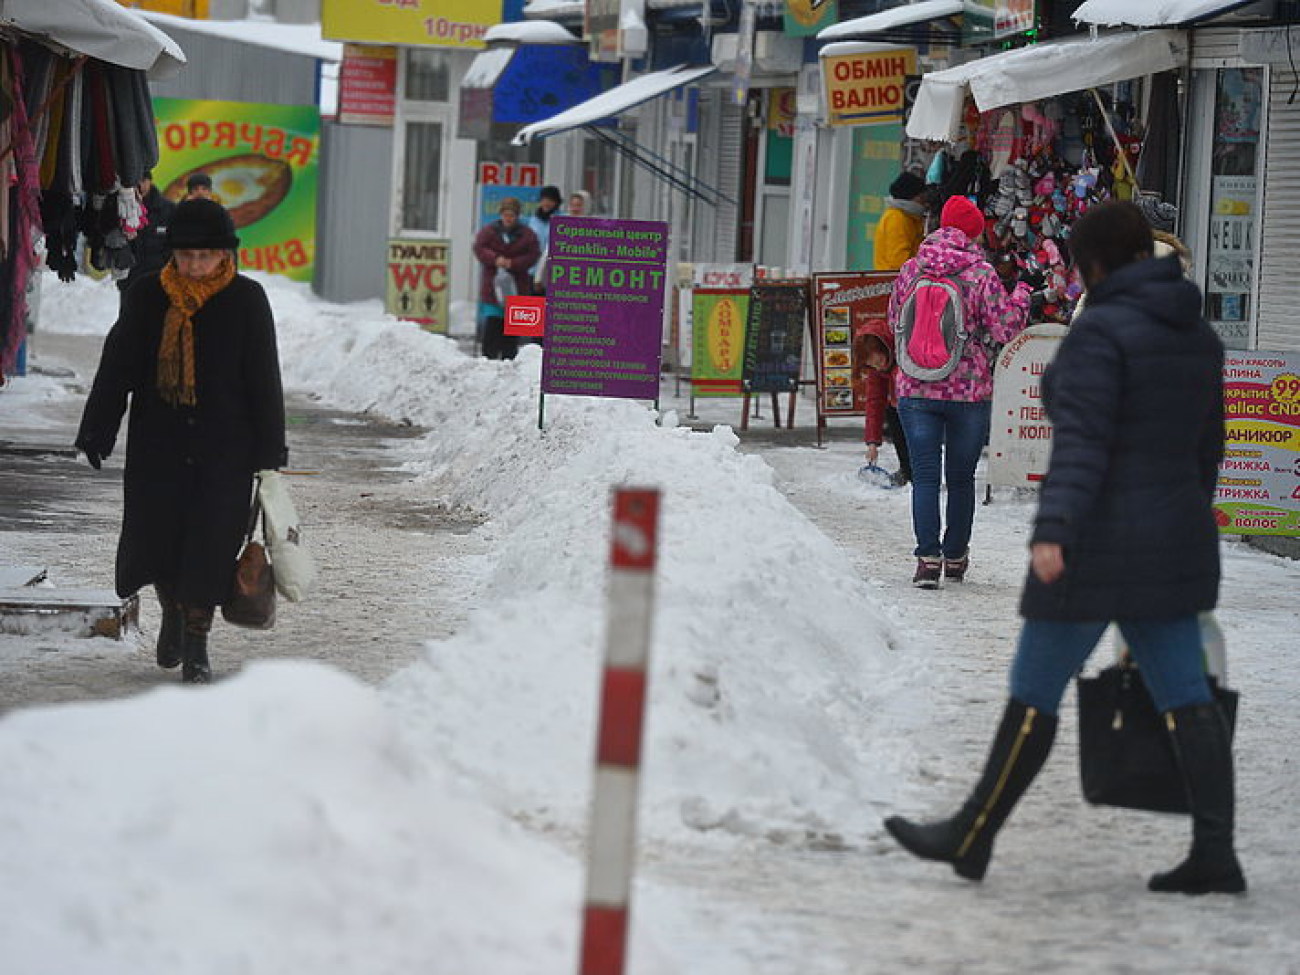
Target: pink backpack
(930, 334)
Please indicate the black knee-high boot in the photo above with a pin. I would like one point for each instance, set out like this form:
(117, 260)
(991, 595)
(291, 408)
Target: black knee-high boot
(1204, 749)
(1021, 746)
(194, 645)
(170, 630)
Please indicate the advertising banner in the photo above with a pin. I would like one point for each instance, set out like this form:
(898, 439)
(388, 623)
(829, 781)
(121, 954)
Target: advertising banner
(1230, 257)
(496, 181)
(368, 85)
(877, 158)
(866, 88)
(774, 331)
(437, 23)
(718, 345)
(1259, 480)
(262, 160)
(804, 18)
(417, 282)
(605, 285)
(525, 316)
(842, 305)
(1020, 435)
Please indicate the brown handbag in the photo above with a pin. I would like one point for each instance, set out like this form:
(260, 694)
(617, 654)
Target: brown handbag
(252, 591)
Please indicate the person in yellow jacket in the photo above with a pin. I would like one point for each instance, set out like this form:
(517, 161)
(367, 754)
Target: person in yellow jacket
(902, 226)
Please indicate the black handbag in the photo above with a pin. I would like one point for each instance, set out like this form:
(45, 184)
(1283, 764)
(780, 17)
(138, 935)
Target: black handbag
(251, 602)
(1126, 757)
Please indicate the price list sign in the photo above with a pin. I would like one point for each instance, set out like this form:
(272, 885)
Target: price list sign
(1259, 480)
(605, 283)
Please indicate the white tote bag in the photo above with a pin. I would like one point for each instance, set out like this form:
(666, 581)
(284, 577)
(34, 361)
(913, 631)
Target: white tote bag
(291, 563)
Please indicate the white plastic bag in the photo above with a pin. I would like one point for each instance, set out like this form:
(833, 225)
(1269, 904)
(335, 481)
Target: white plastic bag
(291, 563)
(504, 283)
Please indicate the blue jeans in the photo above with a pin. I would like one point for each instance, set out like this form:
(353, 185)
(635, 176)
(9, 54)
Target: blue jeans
(1169, 652)
(957, 431)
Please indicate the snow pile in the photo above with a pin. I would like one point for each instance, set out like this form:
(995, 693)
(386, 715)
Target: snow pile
(280, 821)
(769, 656)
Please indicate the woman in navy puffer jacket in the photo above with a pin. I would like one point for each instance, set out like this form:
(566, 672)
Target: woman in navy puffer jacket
(1125, 532)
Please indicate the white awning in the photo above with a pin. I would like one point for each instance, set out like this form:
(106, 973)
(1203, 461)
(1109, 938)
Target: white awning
(101, 29)
(908, 15)
(1039, 71)
(614, 102)
(1153, 13)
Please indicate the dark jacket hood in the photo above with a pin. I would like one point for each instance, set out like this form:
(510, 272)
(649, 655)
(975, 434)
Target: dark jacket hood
(1156, 286)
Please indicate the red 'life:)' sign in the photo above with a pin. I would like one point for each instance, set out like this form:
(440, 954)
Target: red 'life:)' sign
(525, 316)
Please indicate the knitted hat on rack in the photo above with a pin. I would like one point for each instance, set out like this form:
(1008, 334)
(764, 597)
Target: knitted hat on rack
(907, 186)
(961, 213)
(199, 225)
(1161, 215)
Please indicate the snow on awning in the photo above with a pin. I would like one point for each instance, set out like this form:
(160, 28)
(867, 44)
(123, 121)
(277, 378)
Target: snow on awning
(535, 32)
(908, 15)
(614, 102)
(101, 29)
(487, 67)
(1153, 13)
(1040, 71)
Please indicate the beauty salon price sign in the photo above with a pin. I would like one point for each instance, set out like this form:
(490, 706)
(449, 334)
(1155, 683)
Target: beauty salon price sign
(1259, 480)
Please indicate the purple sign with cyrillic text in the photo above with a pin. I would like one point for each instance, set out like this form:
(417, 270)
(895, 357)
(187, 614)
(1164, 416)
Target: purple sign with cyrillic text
(604, 307)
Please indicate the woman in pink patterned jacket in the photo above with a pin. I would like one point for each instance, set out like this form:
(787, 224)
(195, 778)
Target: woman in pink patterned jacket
(946, 420)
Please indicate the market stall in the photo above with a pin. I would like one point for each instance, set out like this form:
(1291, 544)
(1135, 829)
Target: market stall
(1037, 135)
(76, 134)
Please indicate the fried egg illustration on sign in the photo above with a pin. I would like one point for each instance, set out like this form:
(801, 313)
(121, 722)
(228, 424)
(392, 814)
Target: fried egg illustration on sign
(249, 185)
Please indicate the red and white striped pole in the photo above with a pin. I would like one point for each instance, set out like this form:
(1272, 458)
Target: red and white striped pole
(612, 847)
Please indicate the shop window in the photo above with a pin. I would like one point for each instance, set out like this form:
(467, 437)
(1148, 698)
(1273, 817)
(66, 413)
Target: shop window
(1234, 176)
(428, 75)
(422, 177)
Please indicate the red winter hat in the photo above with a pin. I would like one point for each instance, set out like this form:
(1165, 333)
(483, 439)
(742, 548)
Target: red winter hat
(961, 213)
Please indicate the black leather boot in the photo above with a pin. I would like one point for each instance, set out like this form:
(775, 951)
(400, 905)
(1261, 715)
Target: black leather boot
(169, 631)
(194, 645)
(1021, 746)
(1204, 749)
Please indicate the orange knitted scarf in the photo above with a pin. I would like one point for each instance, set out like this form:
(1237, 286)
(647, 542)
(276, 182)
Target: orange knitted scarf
(176, 351)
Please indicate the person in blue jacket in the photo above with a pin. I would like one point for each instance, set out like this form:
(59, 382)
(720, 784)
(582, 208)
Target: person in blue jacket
(1125, 532)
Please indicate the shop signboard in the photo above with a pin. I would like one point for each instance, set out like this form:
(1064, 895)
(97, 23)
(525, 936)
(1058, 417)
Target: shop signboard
(991, 20)
(432, 23)
(417, 274)
(368, 85)
(496, 181)
(805, 18)
(1259, 480)
(842, 305)
(774, 328)
(605, 285)
(876, 162)
(262, 160)
(718, 346)
(867, 87)
(1020, 435)
(1230, 257)
(194, 9)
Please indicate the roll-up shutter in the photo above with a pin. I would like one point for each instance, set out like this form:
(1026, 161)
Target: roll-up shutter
(721, 165)
(1279, 284)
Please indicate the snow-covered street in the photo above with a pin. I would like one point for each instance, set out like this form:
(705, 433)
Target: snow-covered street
(360, 803)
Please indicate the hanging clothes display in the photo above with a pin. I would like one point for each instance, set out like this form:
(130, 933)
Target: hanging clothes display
(77, 136)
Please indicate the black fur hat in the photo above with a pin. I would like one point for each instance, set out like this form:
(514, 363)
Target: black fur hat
(201, 225)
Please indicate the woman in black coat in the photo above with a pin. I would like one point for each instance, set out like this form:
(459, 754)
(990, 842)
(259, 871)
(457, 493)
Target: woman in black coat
(194, 351)
(1125, 532)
